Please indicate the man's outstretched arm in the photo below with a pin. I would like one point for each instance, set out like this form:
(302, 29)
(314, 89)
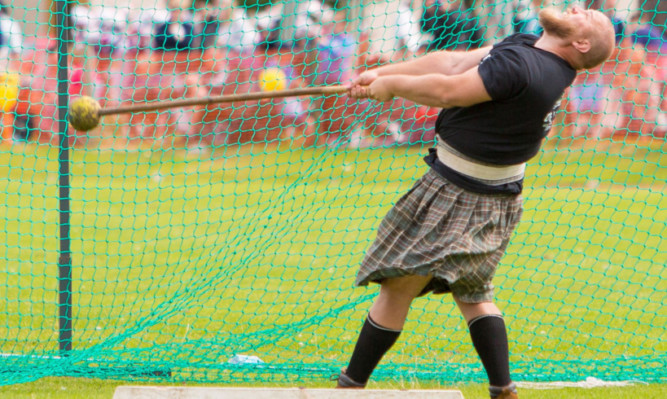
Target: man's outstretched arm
(434, 90)
(442, 62)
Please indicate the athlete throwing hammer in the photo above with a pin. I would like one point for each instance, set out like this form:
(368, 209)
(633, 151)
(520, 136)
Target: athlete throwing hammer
(448, 233)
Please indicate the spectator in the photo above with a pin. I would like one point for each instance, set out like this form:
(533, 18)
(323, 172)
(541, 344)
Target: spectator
(525, 19)
(608, 8)
(175, 67)
(103, 29)
(284, 118)
(140, 83)
(159, 56)
(592, 96)
(209, 15)
(335, 52)
(630, 102)
(40, 100)
(253, 121)
(408, 34)
(654, 11)
(11, 41)
(224, 36)
(239, 34)
(31, 68)
(453, 26)
(219, 24)
(177, 32)
(391, 32)
(638, 105)
(331, 59)
(11, 38)
(613, 99)
(269, 30)
(297, 26)
(497, 18)
(53, 13)
(653, 39)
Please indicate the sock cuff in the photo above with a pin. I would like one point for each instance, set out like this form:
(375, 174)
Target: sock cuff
(379, 327)
(484, 316)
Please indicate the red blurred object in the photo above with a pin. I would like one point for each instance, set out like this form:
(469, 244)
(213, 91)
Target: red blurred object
(426, 114)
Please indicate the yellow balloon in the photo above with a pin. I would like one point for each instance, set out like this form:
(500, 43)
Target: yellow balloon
(9, 91)
(272, 79)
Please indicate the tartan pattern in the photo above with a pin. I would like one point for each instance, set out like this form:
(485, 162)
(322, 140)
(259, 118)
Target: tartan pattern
(440, 229)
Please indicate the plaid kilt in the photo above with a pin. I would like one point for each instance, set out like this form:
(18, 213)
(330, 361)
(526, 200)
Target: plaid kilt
(439, 229)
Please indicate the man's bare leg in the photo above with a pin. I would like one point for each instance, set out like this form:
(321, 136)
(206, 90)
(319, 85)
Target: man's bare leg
(489, 336)
(381, 328)
(391, 306)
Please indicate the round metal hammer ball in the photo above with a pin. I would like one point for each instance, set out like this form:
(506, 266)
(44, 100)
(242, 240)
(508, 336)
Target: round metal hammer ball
(84, 113)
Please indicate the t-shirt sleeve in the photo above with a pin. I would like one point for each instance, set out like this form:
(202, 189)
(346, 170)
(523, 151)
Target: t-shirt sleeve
(503, 73)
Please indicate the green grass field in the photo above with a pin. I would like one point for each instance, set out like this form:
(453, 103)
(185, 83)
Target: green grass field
(184, 260)
(78, 388)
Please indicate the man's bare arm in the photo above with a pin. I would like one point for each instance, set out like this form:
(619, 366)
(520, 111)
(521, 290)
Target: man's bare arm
(442, 62)
(435, 90)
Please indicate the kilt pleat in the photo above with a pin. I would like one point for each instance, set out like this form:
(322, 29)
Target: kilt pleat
(440, 229)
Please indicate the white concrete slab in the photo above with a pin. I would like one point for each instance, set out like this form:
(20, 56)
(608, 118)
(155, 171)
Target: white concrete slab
(166, 392)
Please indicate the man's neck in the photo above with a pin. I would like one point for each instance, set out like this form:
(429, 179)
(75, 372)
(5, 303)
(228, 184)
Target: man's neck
(553, 45)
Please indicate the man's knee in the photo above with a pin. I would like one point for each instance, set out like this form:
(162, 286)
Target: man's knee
(471, 311)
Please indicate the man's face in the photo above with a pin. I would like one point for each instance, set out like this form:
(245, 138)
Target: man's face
(573, 22)
(590, 32)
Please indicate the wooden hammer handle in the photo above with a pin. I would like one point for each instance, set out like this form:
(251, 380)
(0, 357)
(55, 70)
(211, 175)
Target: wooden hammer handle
(189, 102)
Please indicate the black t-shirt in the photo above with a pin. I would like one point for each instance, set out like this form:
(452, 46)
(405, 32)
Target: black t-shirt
(525, 84)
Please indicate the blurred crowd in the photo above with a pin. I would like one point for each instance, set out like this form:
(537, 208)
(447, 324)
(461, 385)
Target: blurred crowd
(200, 48)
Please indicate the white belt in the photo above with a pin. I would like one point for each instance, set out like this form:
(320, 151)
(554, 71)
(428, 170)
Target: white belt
(490, 174)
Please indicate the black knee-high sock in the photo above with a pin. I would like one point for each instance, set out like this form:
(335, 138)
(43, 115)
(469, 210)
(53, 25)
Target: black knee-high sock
(374, 341)
(489, 337)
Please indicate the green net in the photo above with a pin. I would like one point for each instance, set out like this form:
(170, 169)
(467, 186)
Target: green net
(219, 243)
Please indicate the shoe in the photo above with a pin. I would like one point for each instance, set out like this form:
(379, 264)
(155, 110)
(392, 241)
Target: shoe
(504, 393)
(346, 382)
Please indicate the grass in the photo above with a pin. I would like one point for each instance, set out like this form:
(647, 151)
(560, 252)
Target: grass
(79, 388)
(187, 260)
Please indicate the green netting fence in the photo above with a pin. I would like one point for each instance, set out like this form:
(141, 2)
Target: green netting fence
(220, 243)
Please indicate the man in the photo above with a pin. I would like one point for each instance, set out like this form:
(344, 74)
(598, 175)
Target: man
(448, 233)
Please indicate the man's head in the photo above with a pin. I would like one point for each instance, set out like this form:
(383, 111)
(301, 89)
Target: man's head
(586, 37)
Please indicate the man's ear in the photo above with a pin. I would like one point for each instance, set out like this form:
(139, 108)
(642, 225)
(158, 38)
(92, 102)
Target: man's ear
(582, 45)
